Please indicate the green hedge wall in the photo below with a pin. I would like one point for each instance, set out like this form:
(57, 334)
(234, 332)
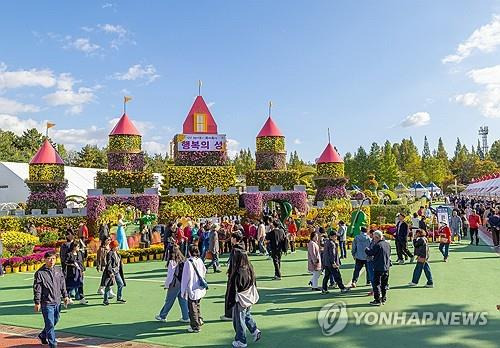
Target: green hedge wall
(113, 179)
(14, 223)
(195, 177)
(264, 179)
(205, 205)
(388, 212)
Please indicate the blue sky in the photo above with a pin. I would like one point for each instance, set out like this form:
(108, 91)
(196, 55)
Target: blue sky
(368, 70)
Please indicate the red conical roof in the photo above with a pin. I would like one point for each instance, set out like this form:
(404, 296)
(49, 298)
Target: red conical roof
(270, 129)
(330, 155)
(199, 108)
(124, 127)
(47, 155)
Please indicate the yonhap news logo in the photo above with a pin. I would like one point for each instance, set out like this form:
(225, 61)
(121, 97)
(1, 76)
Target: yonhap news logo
(333, 318)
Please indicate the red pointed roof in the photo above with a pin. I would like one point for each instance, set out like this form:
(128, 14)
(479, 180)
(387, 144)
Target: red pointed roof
(47, 155)
(199, 107)
(330, 155)
(270, 129)
(124, 127)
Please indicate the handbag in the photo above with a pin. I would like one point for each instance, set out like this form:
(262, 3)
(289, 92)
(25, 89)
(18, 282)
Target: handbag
(201, 281)
(248, 297)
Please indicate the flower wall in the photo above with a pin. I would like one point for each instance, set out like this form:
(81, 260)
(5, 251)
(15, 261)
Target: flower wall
(46, 172)
(17, 223)
(330, 192)
(254, 201)
(125, 143)
(333, 170)
(200, 158)
(210, 177)
(264, 179)
(202, 205)
(126, 161)
(270, 144)
(270, 160)
(113, 179)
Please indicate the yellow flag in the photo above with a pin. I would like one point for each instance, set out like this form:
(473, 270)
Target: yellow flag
(50, 125)
(127, 99)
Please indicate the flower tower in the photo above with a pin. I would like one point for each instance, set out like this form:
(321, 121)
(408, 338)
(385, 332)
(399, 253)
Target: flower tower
(46, 180)
(270, 156)
(330, 181)
(125, 160)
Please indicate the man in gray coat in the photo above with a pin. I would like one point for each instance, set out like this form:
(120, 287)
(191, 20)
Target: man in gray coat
(456, 226)
(359, 244)
(213, 247)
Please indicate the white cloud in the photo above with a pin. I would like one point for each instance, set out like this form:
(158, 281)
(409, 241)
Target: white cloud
(84, 45)
(417, 119)
(153, 147)
(137, 71)
(297, 141)
(67, 96)
(107, 5)
(233, 147)
(484, 39)
(9, 106)
(487, 100)
(110, 28)
(25, 78)
(121, 35)
(210, 104)
(17, 125)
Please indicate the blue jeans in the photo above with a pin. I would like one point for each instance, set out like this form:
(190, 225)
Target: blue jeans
(417, 272)
(172, 294)
(215, 261)
(50, 317)
(343, 250)
(444, 248)
(119, 285)
(242, 319)
(370, 271)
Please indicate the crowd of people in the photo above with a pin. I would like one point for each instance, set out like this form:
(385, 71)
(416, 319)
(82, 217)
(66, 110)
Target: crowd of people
(191, 249)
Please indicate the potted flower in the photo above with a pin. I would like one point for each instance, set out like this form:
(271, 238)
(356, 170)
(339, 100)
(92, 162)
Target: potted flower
(151, 254)
(91, 260)
(29, 261)
(137, 254)
(16, 263)
(124, 255)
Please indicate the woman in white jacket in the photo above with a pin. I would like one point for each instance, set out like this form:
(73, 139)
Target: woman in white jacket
(173, 284)
(192, 289)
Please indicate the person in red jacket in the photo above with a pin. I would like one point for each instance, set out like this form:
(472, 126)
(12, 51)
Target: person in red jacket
(474, 222)
(292, 233)
(180, 239)
(445, 239)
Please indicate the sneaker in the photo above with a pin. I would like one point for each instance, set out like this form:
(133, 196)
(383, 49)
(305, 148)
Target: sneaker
(412, 284)
(384, 300)
(105, 303)
(445, 259)
(184, 320)
(191, 330)
(429, 285)
(224, 318)
(202, 322)
(276, 278)
(257, 335)
(163, 320)
(121, 300)
(83, 301)
(43, 340)
(376, 303)
(344, 290)
(238, 344)
(353, 284)
(217, 271)
(315, 289)
(100, 291)
(324, 292)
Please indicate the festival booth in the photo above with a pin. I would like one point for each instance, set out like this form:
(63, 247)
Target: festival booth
(418, 190)
(486, 186)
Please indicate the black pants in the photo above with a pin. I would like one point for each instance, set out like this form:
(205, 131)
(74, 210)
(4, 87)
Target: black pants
(276, 255)
(380, 281)
(194, 314)
(336, 275)
(495, 233)
(402, 250)
(292, 246)
(357, 268)
(474, 231)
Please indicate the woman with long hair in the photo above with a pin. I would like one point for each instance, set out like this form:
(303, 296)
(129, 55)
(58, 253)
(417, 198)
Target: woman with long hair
(173, 286)
(314, 261)
(121, 237)
(113, 274)
(74, 271)
(100, 264)
(241, 295)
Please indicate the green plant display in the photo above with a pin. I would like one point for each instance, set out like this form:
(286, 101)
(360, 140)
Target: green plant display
(113, 179)
(46, 172)
(198, 206)
(381, 214)
(18, 243)
(332, 170)
(270, 144)
(17, 223)
(264, 179)
(195, 177)
(110, 215)
(125, 143)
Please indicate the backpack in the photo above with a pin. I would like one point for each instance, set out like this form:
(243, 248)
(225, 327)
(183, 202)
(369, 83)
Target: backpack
(178, 271)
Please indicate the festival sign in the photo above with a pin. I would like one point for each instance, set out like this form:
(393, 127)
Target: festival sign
(443, 215)
(201, 142)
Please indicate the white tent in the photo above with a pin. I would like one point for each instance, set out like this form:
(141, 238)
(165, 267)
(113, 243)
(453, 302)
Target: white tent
(485, 188)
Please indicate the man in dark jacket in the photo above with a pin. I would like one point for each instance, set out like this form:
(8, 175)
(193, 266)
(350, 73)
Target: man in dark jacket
(49, 287)
(63, 252)
(331, 264)
(237, 246)
(277, 243)
(381, 252)
(402, 240)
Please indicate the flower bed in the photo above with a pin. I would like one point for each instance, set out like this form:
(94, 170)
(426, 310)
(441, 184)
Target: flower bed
(200, 205)
(46, 172)
(111, 180)
(50, 199)
(330, 192)
(27, 263)
(200, 158)
(332, 170)
(270, 144)
(126, 161)
(18, 243)
(264, 179)
(124, 143)
(17, 223)
(270, 160)
(254, 201)
(195, 177)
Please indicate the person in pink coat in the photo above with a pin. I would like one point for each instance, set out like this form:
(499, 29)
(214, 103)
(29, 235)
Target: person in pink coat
(314, 261)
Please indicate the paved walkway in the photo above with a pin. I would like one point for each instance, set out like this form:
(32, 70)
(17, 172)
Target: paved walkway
(20, 337)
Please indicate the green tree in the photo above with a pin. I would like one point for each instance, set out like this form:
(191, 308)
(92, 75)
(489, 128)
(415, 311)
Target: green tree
(480, 150)
(494, 153)
(90, 156)
(244, 162)
(375, 159)
(426, 153)
(157, 163)
(389, 171)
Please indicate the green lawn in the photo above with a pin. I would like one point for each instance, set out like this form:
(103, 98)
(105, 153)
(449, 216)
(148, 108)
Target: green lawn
(287, 311)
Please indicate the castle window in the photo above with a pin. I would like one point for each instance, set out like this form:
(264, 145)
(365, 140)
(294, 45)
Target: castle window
(200, 123)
